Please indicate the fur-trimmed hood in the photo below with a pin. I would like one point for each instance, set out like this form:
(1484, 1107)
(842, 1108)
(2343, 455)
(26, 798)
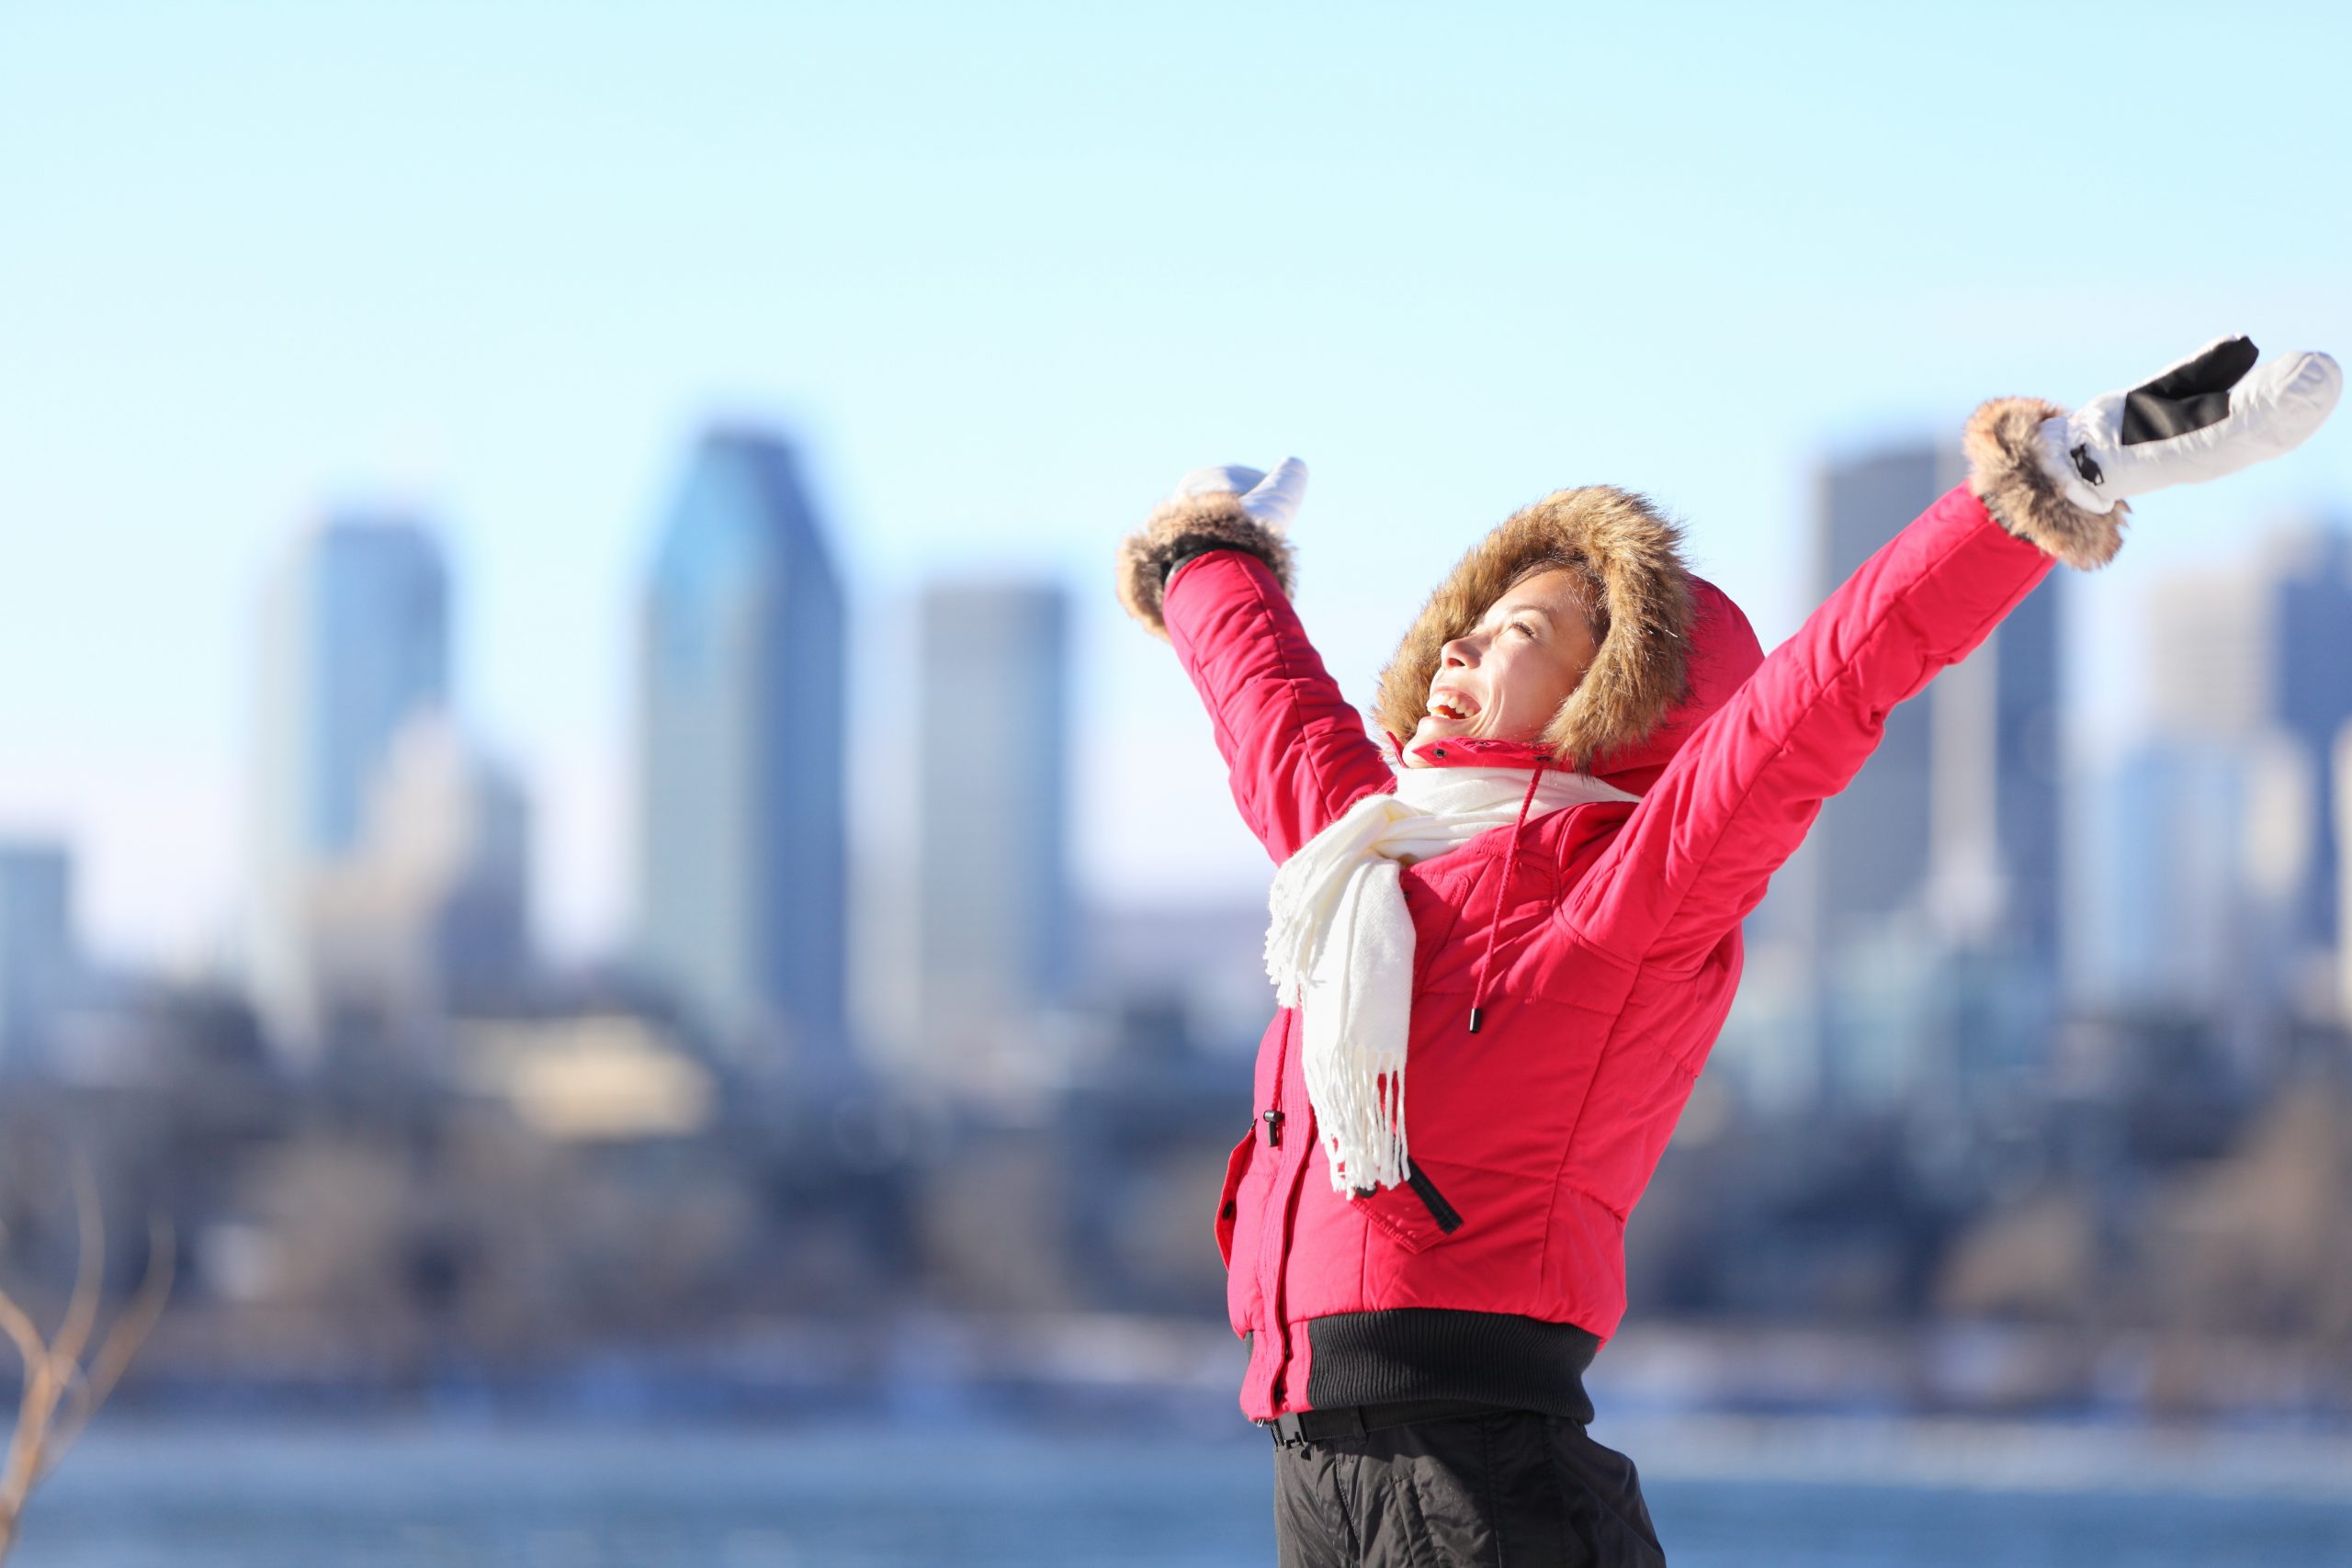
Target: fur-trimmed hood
(1676, 650)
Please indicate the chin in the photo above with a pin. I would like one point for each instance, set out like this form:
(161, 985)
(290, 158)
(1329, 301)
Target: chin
(1423, 736)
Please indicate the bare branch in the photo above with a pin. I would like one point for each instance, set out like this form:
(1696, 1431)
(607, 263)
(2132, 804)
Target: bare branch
(55, 1370)
(122, 1341)
(32, 1416)
(90, 1271)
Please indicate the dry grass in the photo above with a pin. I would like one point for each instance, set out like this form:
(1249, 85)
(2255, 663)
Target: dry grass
(63, 1391)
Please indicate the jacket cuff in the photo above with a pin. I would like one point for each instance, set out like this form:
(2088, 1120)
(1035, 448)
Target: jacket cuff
(1185, 526)
(2003, 442)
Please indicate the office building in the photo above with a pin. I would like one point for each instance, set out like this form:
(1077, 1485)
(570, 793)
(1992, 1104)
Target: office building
(1946, 843)
(741, 848)
(355, 642)
(994, 933)
(40, 968)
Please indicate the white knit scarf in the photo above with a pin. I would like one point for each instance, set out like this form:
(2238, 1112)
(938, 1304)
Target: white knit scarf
(1341, 945)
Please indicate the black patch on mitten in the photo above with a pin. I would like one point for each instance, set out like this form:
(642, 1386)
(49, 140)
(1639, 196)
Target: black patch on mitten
(2189, 397)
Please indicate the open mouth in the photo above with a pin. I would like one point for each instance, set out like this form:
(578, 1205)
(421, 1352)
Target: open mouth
(1448, 704)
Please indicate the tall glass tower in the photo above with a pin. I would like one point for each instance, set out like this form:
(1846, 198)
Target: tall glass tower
(2251, 665)
(39, 965)
(741, 834)
(1945, 845)
(993, 921)
(355, 641)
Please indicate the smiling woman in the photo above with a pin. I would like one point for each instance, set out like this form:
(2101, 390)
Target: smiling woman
(1425, 1274)
(1505, 678)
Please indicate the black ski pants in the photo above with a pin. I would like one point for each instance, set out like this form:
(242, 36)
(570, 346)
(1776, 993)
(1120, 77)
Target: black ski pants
(1501, 1489)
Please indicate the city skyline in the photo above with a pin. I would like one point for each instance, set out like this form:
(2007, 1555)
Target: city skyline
(2127, 725)
(938, 249)
(437, 854)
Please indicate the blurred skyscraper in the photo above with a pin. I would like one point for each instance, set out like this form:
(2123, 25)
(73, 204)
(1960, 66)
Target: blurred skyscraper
(39, 962)
(2169, 926)
(428, 914)
(1932, 879)
(2223, 866)
(741, 842)
(355, 641)
(1870, 849)
(993, 928)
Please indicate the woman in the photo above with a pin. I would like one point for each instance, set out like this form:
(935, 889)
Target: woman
(1505, 942)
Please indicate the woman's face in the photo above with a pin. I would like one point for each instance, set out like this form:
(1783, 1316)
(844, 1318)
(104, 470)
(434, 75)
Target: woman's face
(1505, 678)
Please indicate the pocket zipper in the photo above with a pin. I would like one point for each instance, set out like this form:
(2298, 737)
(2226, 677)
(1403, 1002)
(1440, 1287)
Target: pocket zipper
(1448, 1218)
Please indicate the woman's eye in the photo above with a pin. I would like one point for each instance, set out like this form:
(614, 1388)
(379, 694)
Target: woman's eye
(1523, 626)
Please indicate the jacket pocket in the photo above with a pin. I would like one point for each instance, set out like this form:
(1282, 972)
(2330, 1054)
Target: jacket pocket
(1229, 1203)
(1416, 1214)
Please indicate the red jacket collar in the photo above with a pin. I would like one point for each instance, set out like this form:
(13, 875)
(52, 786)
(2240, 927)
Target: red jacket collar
(1472, 751)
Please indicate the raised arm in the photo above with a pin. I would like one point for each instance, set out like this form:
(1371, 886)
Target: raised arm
(1211, 572)
(1695, 855)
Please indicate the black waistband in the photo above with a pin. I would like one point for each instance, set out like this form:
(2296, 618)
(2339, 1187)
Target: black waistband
(1420, 1353)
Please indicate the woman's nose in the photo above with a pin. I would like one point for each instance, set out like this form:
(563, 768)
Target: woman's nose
(1458, 651)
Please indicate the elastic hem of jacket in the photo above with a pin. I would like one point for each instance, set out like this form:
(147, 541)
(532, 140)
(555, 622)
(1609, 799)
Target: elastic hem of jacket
(1180, 561)
(1495, 1358)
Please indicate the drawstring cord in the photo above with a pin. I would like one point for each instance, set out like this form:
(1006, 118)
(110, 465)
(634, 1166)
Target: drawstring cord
(1495, 926)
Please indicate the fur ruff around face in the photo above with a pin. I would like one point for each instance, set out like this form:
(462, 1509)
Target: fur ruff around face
(1641, 670)
(2003, 442)
(1178, 528)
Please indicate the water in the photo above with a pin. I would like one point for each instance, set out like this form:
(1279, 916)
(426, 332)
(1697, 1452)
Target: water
(1772, 1495)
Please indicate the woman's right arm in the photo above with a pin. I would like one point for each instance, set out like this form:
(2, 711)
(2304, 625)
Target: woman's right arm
(1694, 857)
(1214, 579)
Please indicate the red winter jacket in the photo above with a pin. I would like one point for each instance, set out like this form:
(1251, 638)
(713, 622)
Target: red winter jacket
(1499, 1270)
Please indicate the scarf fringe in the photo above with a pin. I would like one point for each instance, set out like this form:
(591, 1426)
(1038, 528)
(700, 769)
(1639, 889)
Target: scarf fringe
(1340, 887)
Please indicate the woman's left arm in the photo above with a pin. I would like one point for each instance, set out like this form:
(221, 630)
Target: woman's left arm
(1695, 856)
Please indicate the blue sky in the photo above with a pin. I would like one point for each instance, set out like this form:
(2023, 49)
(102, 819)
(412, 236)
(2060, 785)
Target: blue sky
(1009, 271)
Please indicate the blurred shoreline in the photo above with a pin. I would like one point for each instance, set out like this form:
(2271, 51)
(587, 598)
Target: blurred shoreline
(1123, 1369)
(1818, 1449)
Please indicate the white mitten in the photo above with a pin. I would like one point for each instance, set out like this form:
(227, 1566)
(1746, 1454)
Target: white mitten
(1272, 499)
(2192, 420)
(1225, 508)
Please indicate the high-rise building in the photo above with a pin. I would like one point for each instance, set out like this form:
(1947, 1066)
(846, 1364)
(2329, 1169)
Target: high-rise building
(39, 964)
(1946, 843)
(1870, 847)
(428, 914)
(994, 938)
(2250, 670)
(355, 641)
(2169, 923)
(742, 845)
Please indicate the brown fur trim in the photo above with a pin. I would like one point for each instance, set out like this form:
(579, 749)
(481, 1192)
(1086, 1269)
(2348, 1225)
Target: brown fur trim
(2003, 442)
(1641, 671)
(1180, 527)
